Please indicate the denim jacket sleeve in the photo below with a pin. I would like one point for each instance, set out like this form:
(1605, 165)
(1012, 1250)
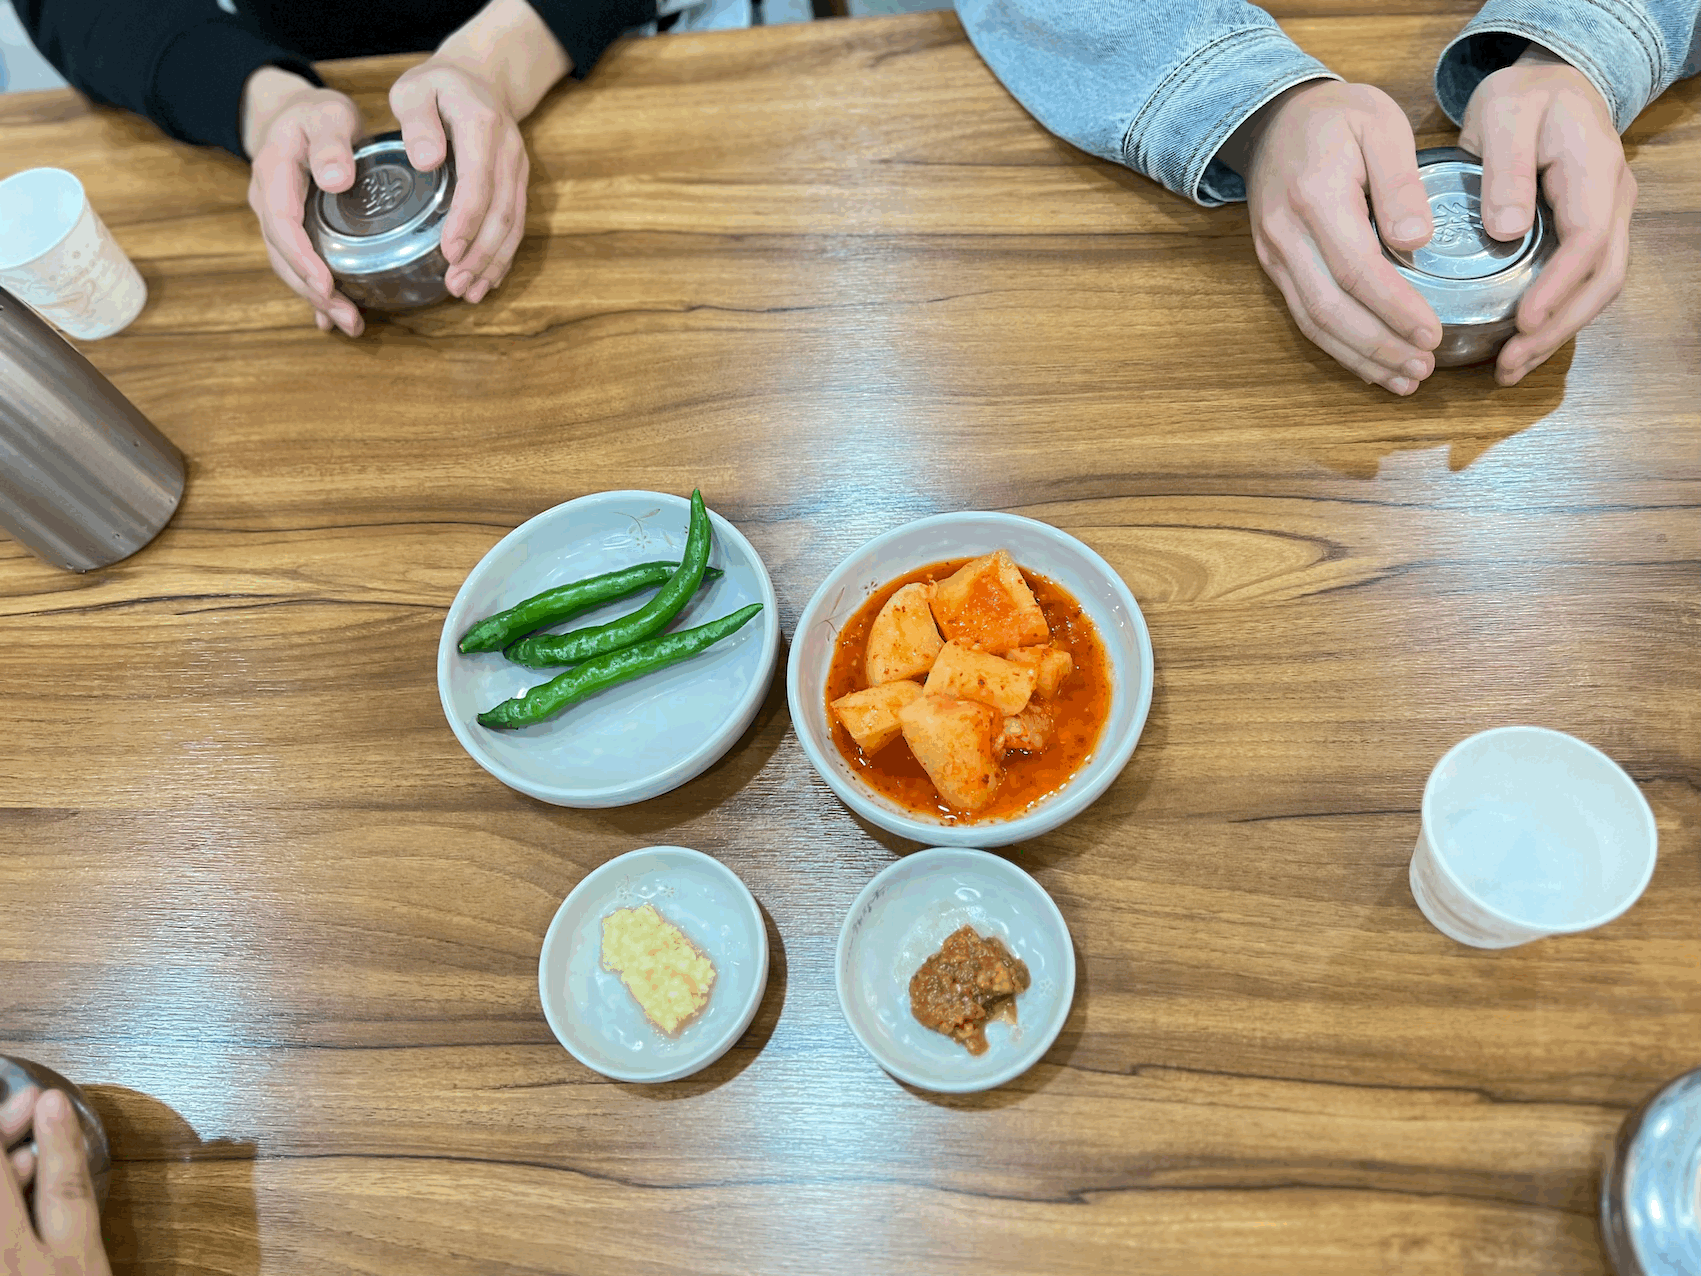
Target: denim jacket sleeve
(1158, 85)
(1631, 50)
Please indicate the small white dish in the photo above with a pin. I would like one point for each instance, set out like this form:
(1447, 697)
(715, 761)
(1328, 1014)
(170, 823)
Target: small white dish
(591, 1012)
(642, 738)
(900, 920)
(1036, 546)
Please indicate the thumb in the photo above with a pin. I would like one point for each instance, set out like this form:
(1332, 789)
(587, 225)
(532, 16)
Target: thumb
(65, 1208)
(1396, 191)
(331, 134)
(1508, 137)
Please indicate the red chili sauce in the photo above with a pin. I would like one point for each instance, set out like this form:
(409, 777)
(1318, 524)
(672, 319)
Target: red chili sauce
(1081, 708)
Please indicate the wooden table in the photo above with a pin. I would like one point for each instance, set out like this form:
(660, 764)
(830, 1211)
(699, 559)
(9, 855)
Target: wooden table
(254, 894)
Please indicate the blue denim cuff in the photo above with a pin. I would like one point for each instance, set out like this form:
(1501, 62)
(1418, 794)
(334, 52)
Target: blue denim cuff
(1613, 43)
(1199, 105)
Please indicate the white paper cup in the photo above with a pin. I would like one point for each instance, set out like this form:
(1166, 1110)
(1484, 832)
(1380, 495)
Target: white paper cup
(57, 255)
(1528, 833)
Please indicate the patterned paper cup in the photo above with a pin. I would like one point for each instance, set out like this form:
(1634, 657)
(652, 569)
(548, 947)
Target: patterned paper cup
(1526, 833)
(57, 255)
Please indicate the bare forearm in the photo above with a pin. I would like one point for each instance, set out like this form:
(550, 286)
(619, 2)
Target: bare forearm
(510, 47)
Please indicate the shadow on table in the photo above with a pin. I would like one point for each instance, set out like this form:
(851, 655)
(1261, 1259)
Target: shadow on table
(746, 1049)
(534, 250)
(1093, 829)
(724, 780)
(898, 845)
(1463, 409)
(178, 1204)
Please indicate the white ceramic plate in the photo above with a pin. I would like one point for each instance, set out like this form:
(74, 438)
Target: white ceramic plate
(1036, 546)
(591, 1012)
(642, 738)
(900, 920)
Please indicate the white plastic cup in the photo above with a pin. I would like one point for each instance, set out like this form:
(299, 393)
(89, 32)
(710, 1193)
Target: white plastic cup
(1528, 833)
(57, 255)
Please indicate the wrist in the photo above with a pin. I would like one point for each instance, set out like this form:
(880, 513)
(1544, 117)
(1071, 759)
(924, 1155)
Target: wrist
(509, 48)
(479, 70)
(1539, 55)
(264, 96)
(1241, 150)
(1560, 70)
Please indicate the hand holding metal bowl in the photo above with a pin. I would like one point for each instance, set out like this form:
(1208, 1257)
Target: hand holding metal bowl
(19, 1074)
(1472, 280)
(383, 236)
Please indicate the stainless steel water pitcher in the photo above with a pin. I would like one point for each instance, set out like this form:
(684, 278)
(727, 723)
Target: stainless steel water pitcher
(85, 478)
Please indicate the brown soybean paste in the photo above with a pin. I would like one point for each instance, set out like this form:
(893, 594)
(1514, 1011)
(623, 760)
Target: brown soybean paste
(968, 983)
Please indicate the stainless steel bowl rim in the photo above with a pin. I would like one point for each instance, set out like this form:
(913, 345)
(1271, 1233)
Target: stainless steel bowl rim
(1483, 299)
(394, 248)
(17, 1072)
(1650, 1215)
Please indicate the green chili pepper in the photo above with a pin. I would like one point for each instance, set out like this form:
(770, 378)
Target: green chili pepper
(547, 650)
(602, 672)
(553, 606)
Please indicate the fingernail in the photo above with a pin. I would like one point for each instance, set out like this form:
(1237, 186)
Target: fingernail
(1415, 368)
(1399, 385)
(455, 248)
(1500, 220)
(478, 291)
(333, 173)
(1428, 338)
(1409, 228)
(13, 1109)
(53, 1108)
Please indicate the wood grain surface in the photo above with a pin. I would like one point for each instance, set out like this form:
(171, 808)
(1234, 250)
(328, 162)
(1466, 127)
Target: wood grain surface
(255, 896)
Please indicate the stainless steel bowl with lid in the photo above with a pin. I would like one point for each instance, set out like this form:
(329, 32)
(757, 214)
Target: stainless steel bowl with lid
(1472, 280)
(383, 236)
(1651, 1190)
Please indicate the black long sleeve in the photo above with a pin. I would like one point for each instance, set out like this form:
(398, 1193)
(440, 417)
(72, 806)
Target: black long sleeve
(586, 30)
(183, 63)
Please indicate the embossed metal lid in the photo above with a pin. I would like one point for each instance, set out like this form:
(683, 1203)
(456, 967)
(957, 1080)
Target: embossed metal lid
(1467, 275)
(389, 218)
